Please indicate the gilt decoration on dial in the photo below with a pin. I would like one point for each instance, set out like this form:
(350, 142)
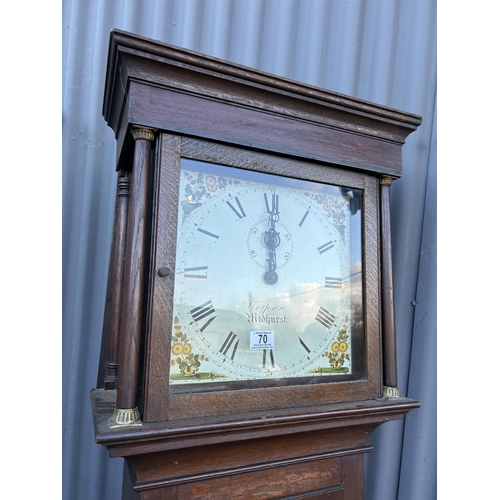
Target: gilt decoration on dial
(268, 271)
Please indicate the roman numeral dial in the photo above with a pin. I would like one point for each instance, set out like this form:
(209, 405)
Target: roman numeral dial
(325, 247)
(331, 282)
(325, 317)
(203, 315)
(272, 203)
(268, 359)
(200, 272)
(259, 255)
(208, 233)
(228, 348)
(239, 210)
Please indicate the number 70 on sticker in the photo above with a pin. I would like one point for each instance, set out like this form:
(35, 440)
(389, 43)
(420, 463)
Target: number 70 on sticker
(261, 340)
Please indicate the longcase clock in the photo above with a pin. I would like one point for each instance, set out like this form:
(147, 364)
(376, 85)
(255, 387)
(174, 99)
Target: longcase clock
(249, 344)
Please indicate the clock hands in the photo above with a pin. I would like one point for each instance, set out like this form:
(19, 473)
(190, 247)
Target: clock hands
(272, 240)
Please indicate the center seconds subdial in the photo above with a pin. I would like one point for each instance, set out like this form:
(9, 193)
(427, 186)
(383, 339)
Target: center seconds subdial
(258, 239)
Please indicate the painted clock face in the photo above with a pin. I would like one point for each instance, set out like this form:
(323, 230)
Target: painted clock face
(267, 273)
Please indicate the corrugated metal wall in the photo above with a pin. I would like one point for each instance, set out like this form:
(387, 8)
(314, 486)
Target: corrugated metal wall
(380, 50)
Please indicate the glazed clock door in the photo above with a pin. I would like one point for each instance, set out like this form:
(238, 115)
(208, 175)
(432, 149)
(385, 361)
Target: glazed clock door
(264, 280)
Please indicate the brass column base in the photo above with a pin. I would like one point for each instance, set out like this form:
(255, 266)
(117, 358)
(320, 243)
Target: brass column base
(391, 392)
(125, 418)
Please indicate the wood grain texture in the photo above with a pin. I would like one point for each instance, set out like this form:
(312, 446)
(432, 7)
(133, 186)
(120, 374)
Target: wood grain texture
(315, 463)
(388, 313)
(152, 61)
(275, 467)
(202, 117)
(188, 433)
(106, 341)
(371, 287)
(229, 402)
(156, 403)
(239, 457)
(315, 453)
(149, 82)
(258, 161)
(292, 481)
(134, 273)
(116, 279)
(353, 470)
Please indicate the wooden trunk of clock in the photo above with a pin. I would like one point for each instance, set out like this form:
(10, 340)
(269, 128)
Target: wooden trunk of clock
(278, 474)
(249, 342)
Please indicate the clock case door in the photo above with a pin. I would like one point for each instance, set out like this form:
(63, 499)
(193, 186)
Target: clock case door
(160, 401)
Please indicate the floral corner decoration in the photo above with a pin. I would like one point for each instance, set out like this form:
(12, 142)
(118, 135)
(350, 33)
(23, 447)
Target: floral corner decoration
(201, 186)
(333, 208)
(187, 362)
(337, 355)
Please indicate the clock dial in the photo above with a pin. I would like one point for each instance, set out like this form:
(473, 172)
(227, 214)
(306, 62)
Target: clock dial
(263, 286)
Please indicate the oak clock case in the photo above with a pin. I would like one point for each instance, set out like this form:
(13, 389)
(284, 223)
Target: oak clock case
(249, 345)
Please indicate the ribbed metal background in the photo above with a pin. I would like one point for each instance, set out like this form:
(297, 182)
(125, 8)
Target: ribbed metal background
(380, 50)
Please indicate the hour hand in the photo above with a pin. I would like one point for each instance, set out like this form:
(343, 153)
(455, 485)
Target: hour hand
(272, 240)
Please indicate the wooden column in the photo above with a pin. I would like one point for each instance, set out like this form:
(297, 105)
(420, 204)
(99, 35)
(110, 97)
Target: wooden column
(115, 281)
(105, 347)
(390, 366)
(126, 412)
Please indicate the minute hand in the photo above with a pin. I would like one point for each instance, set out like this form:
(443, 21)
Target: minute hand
(272, 240)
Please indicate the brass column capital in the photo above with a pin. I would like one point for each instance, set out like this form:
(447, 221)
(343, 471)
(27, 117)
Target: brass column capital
(386, 180)
(143, 133)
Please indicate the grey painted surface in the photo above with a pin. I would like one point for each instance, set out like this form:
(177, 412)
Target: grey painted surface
(380, 50)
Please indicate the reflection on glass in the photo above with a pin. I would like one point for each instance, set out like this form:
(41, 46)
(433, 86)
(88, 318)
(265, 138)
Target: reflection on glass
(268, 277)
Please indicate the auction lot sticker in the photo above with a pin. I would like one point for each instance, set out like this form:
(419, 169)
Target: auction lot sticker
(261, 340)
